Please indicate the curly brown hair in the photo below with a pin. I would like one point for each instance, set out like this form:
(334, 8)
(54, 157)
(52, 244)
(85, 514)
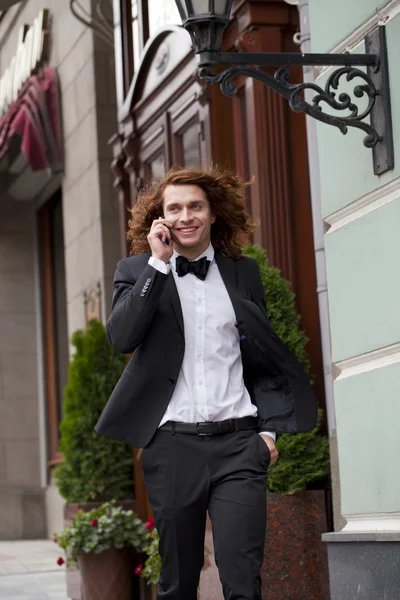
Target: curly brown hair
(224, 191)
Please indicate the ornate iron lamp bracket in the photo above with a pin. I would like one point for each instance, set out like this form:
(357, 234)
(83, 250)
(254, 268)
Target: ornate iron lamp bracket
(372, 87)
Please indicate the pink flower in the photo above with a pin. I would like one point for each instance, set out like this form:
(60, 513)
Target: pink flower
(55, 540)
(94, 523)
(150, 524)
(138, 569)
(60, 561)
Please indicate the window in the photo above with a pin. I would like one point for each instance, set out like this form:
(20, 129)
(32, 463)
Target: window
(148, 16)
(136, 34)
(161, 14)
(157, 167)
(191, 147)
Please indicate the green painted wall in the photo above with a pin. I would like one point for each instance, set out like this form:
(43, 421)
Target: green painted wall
(334, 20)
(363, 268)
(367, 416)
(346, 156)
(363, 277)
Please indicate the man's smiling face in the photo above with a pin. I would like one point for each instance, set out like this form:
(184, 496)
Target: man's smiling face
(187, 208)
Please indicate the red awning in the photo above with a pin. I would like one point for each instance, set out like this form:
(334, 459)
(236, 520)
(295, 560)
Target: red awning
(35, 118)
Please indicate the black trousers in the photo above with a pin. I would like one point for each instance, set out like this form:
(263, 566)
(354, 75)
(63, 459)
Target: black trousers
(186, 476)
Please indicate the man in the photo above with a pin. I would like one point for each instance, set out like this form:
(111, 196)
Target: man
(209, 384)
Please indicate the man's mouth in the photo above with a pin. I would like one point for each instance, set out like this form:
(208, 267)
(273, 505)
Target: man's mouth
(187, 229)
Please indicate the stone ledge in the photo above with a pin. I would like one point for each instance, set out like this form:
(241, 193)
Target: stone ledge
(357, 536)
(367, 569)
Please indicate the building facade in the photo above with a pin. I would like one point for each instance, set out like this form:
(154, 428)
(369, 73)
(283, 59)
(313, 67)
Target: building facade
(116, 116)
(360, 211)
(59, 238)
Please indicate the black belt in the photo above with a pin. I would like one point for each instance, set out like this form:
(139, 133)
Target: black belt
(211, 427)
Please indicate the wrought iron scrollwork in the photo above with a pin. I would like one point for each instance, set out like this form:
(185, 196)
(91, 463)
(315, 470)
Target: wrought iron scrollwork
(327, 95)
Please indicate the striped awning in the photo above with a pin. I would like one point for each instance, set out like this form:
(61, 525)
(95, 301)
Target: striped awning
(34, 117)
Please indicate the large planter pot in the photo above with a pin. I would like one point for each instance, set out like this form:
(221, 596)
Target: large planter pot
(74, 579)
(295, 560)
(107, 575)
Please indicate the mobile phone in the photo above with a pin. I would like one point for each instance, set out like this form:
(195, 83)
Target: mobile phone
(167, 240)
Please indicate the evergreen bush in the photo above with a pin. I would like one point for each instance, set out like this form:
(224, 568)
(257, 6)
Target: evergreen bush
(304, 457)
(95, 468)
(282, 313)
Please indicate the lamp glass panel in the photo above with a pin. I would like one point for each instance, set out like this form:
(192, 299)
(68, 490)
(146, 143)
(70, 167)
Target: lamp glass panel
(221, 7)
(200, 7)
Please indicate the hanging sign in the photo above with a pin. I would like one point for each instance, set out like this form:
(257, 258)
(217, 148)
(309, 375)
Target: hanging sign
(32, 54)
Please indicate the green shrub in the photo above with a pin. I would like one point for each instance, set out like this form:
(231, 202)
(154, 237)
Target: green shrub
(95, 469)
(280, 299)
(303, 461)
(303, 457)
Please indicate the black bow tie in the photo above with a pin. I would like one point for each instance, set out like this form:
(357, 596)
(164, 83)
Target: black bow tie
(197, 267)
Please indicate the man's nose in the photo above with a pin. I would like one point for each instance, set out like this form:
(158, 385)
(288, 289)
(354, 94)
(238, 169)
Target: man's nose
(186, 215)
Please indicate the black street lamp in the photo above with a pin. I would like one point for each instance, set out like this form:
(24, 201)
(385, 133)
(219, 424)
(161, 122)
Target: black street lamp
(206, 21)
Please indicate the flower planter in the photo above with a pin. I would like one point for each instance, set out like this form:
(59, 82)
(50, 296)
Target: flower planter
(107, 575)
(73, 575)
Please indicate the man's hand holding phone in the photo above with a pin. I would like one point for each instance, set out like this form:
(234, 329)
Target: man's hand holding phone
(160, 240)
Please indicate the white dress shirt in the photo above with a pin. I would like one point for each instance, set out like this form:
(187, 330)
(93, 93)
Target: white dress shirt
(210, 385)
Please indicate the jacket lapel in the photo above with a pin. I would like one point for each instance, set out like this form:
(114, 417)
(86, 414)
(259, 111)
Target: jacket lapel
(227, 269)
(172, 293)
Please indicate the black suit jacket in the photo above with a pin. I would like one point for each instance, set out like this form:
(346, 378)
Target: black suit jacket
(146, 320)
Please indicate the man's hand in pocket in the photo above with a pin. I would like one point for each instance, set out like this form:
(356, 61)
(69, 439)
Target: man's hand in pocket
(272, 448)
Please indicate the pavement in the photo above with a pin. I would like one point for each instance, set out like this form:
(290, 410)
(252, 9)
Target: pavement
(29, 571)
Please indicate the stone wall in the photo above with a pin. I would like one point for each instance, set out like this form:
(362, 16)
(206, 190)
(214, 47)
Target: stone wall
(86, 74)
(21, 498)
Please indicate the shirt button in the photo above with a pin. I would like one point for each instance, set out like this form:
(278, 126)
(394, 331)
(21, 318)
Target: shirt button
(200, 326)
(179, 348)
(171, 380)
(200, 383)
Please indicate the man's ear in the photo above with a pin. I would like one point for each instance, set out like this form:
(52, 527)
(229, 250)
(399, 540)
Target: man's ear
(213, 218)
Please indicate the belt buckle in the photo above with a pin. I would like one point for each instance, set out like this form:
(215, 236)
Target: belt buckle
(204, 433)
(201, 433)
(232, 427)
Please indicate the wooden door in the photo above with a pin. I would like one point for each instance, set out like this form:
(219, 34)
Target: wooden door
(188, 133)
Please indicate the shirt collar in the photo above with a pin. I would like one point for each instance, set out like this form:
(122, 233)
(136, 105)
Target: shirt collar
(209, 253)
